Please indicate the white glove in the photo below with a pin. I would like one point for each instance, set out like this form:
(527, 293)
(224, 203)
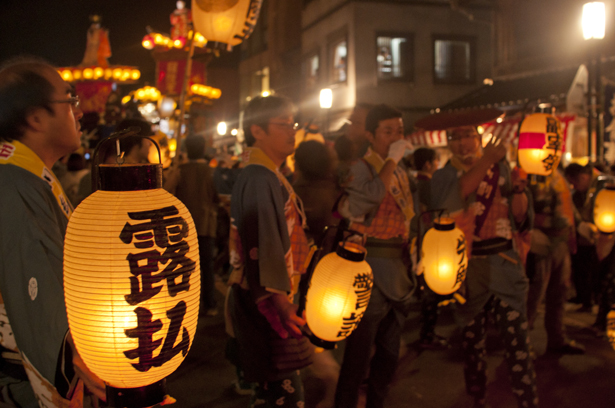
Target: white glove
(398, 149)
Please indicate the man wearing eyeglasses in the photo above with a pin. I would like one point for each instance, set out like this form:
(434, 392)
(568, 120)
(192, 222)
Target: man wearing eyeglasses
(268, 251)
(379, 204)
(39, 123)
(489, 203)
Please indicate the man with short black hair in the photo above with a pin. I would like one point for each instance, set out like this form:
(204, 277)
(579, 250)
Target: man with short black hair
(269, 251)
(490, 204)
(39, 124)
(379, 205)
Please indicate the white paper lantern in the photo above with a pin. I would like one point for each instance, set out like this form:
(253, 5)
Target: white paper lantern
(225, 21)
(604, 209)
(132, 284)
(444, 257)
(540, 144)
(339, 293)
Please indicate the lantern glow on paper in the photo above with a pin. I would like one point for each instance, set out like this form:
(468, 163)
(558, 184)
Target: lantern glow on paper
(604, 209)
(225, 21)
(444, 257)
(339, 293)
(540, 144)
(132, 281)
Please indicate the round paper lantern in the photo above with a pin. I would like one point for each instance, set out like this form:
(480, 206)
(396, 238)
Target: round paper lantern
(225, 21)
(604, 209)
(132, 282)
(444, 257)
(540, 144)
(339, 292)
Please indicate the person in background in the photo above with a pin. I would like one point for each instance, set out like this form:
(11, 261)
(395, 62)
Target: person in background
(75, 170)
(39, 124)
(315, 184)
(491, 205)
(379, 205)
(553, 240)
(195, 188)
(269, 251)
(584, 262)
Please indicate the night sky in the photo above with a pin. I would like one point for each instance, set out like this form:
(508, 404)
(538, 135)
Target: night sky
(56, 30)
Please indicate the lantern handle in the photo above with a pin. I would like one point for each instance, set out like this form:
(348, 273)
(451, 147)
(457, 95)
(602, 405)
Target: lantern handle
(117, 136)
(419, 235)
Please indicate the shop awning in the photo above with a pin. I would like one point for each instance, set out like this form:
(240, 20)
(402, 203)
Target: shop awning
(506, 130)
(532, 88)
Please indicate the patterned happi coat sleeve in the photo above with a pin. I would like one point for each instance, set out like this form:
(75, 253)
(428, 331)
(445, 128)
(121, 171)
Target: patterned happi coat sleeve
(257, 210)
(32, 229)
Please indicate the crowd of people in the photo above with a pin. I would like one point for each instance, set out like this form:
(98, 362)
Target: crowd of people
(528, 240)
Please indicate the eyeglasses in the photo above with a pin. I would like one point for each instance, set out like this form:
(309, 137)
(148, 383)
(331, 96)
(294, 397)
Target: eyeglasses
(288, 126)
(458, 137)
(73, 100)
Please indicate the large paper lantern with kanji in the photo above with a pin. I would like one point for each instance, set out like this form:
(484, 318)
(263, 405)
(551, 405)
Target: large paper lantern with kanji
(604, 209)
(444, 257)
(339, 292)
(540, 144)
(225, 21)
(132, 283)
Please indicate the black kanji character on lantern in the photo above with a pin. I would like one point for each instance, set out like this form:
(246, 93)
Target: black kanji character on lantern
(145, 332)
(549, 161)
(363, 283)
(158, 229)
(461, 250)
(177, 265)
(349, 324)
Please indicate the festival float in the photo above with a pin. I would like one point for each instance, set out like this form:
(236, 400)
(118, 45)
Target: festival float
(182, 56)
(94, 78)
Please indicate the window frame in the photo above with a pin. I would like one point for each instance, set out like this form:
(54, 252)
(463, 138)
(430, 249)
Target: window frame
(305, 68)
(333, 41)
(409, 36)
(471, 40)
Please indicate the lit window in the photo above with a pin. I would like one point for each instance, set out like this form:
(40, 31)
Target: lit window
(340, 62)
(312, 67)
(394, 57)
(453, 60)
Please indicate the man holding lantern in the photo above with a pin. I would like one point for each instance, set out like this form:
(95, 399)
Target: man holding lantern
(268, 251)
(379, 205)
(489, 203)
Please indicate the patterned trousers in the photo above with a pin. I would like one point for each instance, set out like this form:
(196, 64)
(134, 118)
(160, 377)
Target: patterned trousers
(285, 393)
(513, 329)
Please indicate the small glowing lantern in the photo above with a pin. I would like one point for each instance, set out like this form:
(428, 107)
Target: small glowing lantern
(444, 257)
(77, 74)
(148, 42)
(225, 21)
(339, 292)
(135, 74)
(98, 72)
(604, 209)
(88, 73)
(540, 144)
(132, 282)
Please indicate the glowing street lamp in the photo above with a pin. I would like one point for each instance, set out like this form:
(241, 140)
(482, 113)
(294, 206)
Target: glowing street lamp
(593, 20)
(221, 128)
